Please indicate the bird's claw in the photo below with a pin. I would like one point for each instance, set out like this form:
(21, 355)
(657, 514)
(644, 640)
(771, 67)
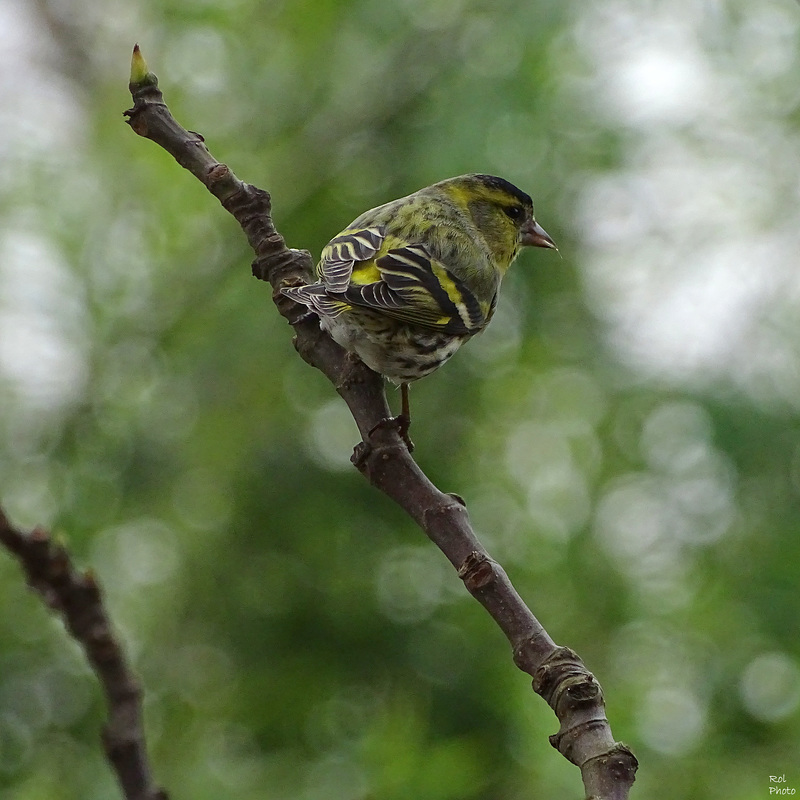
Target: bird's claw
(401, 424)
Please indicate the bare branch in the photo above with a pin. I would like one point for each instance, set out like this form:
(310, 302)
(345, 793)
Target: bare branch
(559, 676)
(76, 597)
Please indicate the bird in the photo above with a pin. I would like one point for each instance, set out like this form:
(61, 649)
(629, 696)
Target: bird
(407, 283)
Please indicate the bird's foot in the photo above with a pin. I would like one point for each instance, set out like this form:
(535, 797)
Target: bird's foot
(401, 424)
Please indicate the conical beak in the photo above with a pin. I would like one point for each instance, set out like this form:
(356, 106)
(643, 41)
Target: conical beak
(532, 234)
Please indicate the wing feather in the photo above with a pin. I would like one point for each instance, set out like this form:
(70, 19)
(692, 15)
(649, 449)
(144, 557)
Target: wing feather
(344, 251)
(316, 297)
(361, 268)
(415, 288)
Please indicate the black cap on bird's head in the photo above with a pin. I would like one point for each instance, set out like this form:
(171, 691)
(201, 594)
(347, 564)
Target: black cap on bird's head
(532, 234)
(502, 185)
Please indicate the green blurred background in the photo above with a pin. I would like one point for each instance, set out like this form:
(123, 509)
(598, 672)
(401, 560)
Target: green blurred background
(626, 433)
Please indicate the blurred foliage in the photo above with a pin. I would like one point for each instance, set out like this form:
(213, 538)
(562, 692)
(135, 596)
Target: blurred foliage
(626, 433)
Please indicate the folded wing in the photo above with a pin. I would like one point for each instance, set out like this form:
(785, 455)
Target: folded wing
(404, 283)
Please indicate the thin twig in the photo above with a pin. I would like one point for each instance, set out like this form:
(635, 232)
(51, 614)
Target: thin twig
(77, 598)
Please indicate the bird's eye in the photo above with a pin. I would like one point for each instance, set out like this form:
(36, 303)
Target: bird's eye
(514, 212)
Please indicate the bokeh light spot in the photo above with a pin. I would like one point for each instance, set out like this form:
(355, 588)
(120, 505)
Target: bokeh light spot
(770, 686)
(410, 584)
(332, 435)
(672, 721)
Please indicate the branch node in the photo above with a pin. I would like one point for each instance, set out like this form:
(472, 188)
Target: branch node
(477, 571)
(360, 454)
(561, 670)
(458, 498)
(613, 770)
(218, 172)
(367, 452)
(621, 762)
